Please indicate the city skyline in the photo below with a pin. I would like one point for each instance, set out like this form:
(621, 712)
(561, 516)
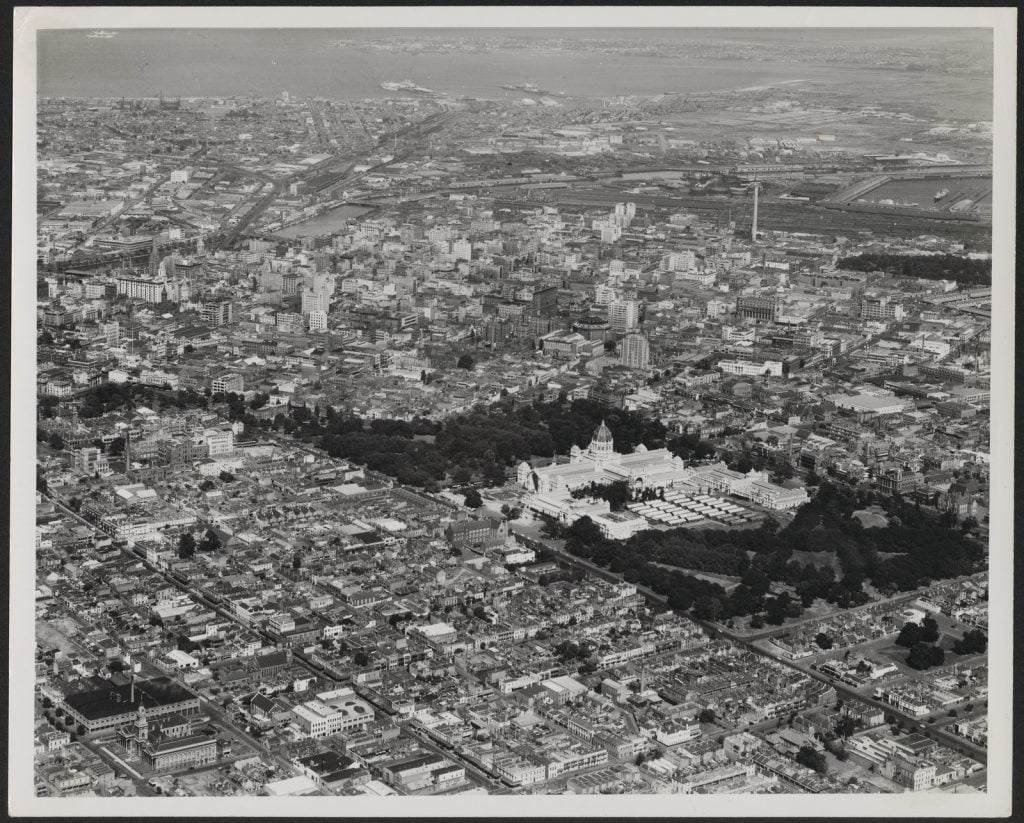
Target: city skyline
(542, 413)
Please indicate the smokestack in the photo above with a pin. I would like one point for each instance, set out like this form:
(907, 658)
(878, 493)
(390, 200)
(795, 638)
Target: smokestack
(133, 689)
(753, 225)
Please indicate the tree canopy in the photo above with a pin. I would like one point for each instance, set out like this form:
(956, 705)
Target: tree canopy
(964, 270)
(924, 656)
(917, 549)
(186, 546)
(974, 641)
(812, 759)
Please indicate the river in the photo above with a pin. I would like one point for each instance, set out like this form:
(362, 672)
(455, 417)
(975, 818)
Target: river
(329, 221)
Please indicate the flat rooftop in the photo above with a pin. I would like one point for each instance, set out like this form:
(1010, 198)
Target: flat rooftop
(111, 699)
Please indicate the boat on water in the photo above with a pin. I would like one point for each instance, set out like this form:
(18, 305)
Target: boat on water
(529, 88)
(102, 35)
(940, 194)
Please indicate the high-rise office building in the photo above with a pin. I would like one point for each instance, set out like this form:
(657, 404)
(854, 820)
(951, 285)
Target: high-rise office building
(318, 321)
(112, 332)
(684, 260)
(154, 258)
(624, 214)
(623, 315)
(217, 313)
(635, 351)
(316, 300)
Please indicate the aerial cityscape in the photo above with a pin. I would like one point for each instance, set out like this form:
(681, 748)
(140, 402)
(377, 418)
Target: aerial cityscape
(512, 412)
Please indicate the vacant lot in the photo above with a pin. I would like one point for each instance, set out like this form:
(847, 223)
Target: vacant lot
(57, 634)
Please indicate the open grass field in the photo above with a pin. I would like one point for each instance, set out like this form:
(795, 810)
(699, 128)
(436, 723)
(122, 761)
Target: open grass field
(871, 517)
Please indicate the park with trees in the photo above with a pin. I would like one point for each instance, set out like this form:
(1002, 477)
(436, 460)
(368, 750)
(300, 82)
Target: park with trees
(966, 271)
(912, 549)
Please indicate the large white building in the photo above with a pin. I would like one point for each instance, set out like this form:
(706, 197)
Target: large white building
(229, 382)
(623, 315)
(111, 332)
(703, 278)
(318, 321)
(548, 488)
(332, 712)
(746, 368)
(753, 486)
(870, 405)
(600, 463)
(220, 442)
(90, 459)
(316, 300)
(684, 260)
(149, 290)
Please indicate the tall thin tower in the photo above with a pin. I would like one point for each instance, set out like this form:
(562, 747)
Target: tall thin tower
(154, 257)
(131, 328)
(753, 225)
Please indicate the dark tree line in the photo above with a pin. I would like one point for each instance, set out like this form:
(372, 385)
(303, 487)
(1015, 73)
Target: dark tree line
(925, 655)
(927, 631)
(480, 444)
(702, 550)
(974, 641)
(964, 270)
(812, 759)
(187, 545)
(914, 548)
(584, 539)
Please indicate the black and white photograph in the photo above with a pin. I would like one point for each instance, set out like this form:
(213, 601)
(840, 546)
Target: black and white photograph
(538, 411)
